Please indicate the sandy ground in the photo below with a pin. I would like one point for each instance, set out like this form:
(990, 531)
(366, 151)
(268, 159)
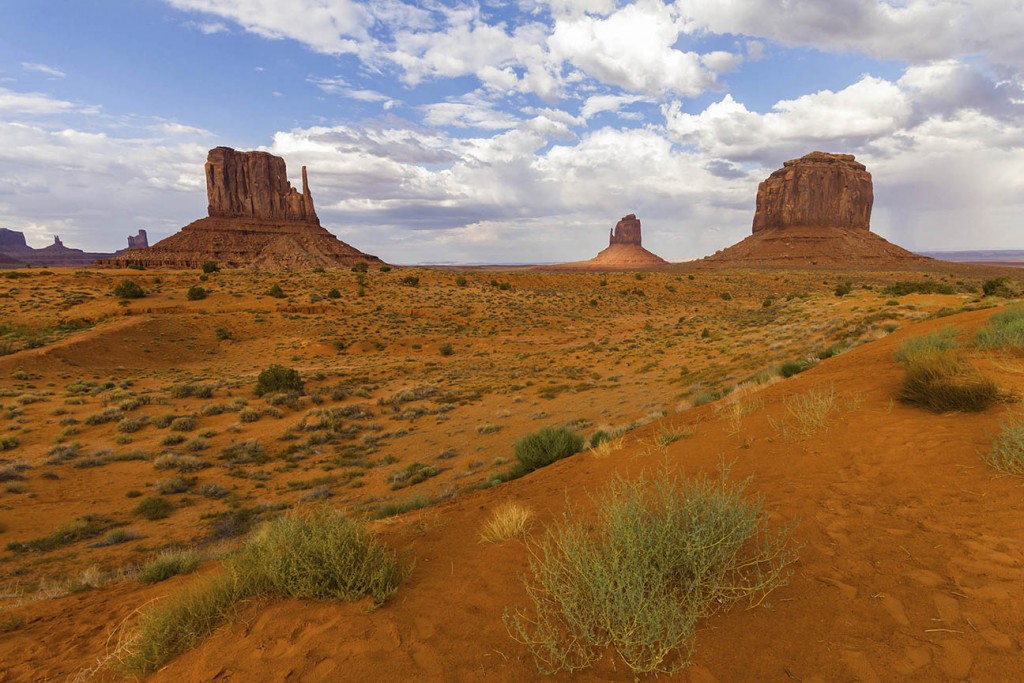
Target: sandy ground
(909, 546)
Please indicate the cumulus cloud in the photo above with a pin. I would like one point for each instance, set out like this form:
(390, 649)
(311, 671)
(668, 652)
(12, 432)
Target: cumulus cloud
(913, 30)
(15, 103)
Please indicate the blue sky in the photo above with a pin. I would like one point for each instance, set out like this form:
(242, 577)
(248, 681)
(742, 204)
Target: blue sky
(512, 131)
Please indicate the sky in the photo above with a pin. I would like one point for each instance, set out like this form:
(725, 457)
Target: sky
(512, 131)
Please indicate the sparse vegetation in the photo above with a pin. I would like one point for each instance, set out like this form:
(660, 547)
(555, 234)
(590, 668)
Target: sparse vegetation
(654, 558)
(279, 379)
(167, 564)
(1007, 451)
(322, 555)
(508, 520)
(940, 378)
(195, 293)
(210, 267)
(1004, 329)
(544, 447)
(128, 289)
(154, 508)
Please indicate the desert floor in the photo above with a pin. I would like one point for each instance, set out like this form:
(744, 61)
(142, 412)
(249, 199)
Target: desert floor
(910, 548)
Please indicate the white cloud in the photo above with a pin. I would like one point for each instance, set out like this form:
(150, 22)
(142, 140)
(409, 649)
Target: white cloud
(913, 30)
(328, 26)
(43, 69)
(208, 28)
(596, 104)
(14, 103)
(182, 129)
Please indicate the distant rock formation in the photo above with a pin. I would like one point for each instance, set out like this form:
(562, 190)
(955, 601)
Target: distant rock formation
(814, 211)
(140, 241)
(819, 190)
(256, 220)
(624, 251)
(15, 252)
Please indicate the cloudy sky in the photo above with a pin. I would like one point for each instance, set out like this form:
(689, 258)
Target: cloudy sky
(504, 131)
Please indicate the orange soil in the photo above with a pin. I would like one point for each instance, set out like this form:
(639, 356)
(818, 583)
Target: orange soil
(910, 547)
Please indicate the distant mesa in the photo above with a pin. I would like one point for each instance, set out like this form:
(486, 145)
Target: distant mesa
(140, 241)
(624, 251)
(814, 211)
(256, 220)
(15, 252)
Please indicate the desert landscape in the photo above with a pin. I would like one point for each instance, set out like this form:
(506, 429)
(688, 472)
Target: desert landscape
(161, 419)
(404, 415)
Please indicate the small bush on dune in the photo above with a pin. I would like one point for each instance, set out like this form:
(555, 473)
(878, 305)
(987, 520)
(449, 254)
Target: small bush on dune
(128, 289)
(508, 520)
(210, 267)
(195, 293)
(940, 378)
(320, 555)
(278, 379)
(543, 447)
(154, 508)
(1004, 329)
(169, 563)
(636, 576)
(1007, 452)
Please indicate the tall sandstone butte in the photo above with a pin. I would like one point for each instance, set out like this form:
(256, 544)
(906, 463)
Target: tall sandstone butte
(255, 185)
(814, 211)
(819, 190)
(256, 220)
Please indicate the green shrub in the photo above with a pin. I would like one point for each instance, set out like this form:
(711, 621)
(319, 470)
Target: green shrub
(385, 269)
(128, 289)
(904, 287)
(195, 293)
(334, 294)
(8, 443)
(411, 281)
(446, 349)
(167, 564)
(791, 367)
(278, 378)
(322, 555)
(65, 534)
(999, 286)
(1007, 452)
(276, 291)
(599, 437)
(543, 447)
(153, 508)
(1005, 328)
(636, 576)
(210, 267)
(172, 485)
(461, 281)
(939, 378)
(360, 267)
(843, 289)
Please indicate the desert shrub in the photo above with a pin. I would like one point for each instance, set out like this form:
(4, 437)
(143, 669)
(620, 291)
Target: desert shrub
(167, 564)
(1005, 328)
(940, 378)
(636, 576)
(183, 424)
(508, 520)
(360, 267)
(276, 291)
(1007, 452)
(128, 289)
(172, 485)
(398, 507)
(413, 474)
(385, 269)
(210, 267)
(211, 490)
(461, 281)
(195, 293)
(792, 367)
(842, 289)
(130, 425)
(248, 415)
(599, 437)
(334, 294)
(222, 333)
(904, 287)
(999, 286)
(153, 508)
(117, 537)
(278, 378)
(65, 534)
(248, 451)
(8, 443)
(321, 555)
(446, 349)
(192, 391)
(543, 447)
(411, 281)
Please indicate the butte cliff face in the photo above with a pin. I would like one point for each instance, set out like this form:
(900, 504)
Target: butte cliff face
(15, 252)
(814, 211)
(624, 251)
(256, 220)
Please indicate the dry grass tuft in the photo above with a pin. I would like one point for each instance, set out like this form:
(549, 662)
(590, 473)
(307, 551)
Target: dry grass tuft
(509, 520)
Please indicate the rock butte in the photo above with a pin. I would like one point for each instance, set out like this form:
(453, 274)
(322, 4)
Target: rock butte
(15, 252)
(140, 241)
(256, 220)
(814, 211)
(624, 251)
